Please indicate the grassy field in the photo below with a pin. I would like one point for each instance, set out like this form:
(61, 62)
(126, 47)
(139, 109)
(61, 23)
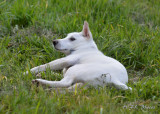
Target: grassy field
(127, 30)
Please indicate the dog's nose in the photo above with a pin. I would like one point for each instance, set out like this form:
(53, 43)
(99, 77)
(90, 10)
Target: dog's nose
(55, 42)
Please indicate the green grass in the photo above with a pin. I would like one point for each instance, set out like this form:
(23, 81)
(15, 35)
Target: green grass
(127, 30)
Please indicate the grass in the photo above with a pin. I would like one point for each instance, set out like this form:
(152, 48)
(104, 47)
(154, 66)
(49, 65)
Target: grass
(126, 30)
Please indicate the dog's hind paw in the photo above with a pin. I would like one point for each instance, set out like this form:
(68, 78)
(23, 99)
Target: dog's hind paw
(35, 82)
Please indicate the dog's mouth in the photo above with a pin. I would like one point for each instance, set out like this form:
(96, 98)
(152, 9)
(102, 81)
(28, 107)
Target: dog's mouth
(61, 49)
(66, 51)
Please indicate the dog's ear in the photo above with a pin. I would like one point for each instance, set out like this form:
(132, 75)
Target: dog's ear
(86, 31)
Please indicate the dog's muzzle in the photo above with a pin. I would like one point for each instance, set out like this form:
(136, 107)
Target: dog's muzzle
(55, 42)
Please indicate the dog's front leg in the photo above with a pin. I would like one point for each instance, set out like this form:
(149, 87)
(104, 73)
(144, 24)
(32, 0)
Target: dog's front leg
(58, 64)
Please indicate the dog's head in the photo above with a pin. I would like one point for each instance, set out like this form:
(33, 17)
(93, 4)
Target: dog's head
(75, 41)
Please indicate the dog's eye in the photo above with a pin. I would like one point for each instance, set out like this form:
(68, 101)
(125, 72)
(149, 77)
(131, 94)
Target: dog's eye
(72, 39)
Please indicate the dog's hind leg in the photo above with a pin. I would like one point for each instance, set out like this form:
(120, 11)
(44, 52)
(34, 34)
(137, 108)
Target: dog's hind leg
(121, 86)
(64, 83)
(75, 87)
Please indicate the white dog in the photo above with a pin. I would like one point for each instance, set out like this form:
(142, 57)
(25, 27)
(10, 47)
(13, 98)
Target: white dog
(84, 64)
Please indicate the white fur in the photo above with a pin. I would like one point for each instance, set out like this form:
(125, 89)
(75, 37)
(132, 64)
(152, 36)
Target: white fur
(84, 63)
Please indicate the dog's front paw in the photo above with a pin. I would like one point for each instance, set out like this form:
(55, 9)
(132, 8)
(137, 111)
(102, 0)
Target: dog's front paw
(33, 71)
